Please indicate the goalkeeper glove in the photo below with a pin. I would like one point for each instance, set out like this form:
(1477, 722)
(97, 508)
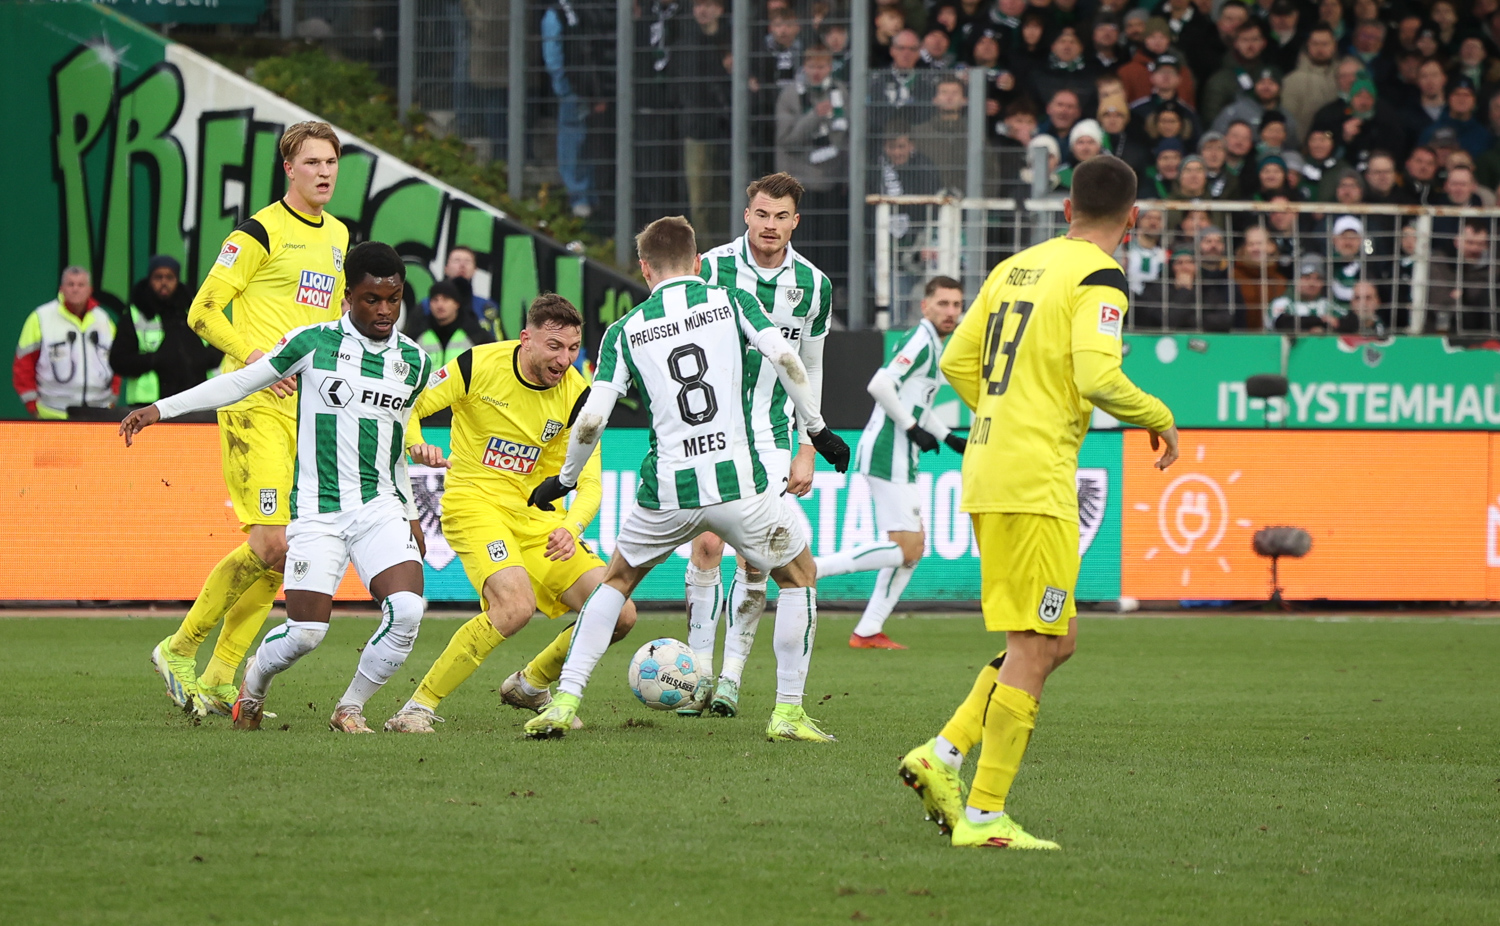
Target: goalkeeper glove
(956, 443)
(548, 491)
(832, 448)
(922, 438)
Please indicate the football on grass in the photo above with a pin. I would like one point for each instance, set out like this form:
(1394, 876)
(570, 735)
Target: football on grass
(664, 674)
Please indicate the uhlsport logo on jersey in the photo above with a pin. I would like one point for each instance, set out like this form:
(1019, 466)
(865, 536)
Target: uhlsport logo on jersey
(511, 456)
(315, 289)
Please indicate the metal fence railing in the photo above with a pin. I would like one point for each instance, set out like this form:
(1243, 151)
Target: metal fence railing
(1202, 266)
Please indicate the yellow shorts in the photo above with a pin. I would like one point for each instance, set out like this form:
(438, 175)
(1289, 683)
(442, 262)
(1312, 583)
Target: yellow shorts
(259, 450)
(489, 538)
(1028, 569)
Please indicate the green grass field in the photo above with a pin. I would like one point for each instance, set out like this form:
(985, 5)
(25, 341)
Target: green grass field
(1206, 770)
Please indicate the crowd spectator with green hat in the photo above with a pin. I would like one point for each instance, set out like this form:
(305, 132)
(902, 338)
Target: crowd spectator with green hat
(1361, 123)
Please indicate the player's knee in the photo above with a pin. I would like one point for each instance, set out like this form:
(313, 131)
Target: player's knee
(406, 610)
(1065, 649)
(305, 635)
(702, 578)
(269, 545)
(510, 613)
(708, 551)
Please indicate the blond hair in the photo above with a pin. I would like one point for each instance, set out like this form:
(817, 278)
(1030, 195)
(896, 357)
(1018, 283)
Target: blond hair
(295, 135)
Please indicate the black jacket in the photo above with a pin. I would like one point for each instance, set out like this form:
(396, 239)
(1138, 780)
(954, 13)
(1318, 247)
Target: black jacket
(182, 361)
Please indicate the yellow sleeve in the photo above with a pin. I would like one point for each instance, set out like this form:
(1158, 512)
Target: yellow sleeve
(239, 260)
(414, 430)
(961, 360)
(1100, 380)
(590, 492)
(445, 388)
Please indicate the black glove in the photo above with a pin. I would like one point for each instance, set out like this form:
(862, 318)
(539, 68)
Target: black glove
(548, 491)
(956, 443)
(832, 448)
(922, 438)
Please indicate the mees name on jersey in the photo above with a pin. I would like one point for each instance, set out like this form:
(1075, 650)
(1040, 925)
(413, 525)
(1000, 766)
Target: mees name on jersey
(705, 443)
(511, 456)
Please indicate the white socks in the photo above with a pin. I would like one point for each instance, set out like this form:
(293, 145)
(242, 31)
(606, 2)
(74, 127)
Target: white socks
(747, 601)
(388, 648)
(596, 624)
(279, 650)
(950, 754)
(796, 625)
(889, 584)
(883, 555)
(976, 815)
(705, 594)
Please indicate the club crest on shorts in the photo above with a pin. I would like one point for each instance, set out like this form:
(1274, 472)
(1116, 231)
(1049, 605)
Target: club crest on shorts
(267, 501)
(552, 429)
(1052, 604)
(498, 553)
(338, 259)
(794, 297)
(299, 569)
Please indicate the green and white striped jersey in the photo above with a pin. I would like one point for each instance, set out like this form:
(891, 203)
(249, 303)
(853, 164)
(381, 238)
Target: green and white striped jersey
(354, 397)
(884, 450)
(798, 299)
(685, 349)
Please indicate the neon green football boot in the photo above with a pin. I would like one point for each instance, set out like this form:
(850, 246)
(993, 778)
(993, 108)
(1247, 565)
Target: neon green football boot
(180, 673)
(935, 781)
(790, 722)
(1001, 833)
(216, 699)
(556, 720)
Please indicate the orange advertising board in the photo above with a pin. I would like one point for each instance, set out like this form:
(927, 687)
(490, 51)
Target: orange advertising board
(84, 518)
(1393, 515)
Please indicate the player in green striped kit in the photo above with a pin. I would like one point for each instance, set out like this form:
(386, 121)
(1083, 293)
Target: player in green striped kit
(357, 379)
(689, 350)
(900, 428)
(798, 299)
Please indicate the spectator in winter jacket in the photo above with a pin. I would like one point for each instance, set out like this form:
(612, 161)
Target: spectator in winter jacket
(1235, 75)
(1419, 175)
(1264, 94)
(1285, 35)
(1067, 69)
(1180, 302)
(1362, 125)
(62, 357)
(1166, 75)
(449, 329)
(1193, 33)
(1137, 73)
(1312, 85)
(1432, 98)
(1473, 136)
(155, 353)
(460, 267)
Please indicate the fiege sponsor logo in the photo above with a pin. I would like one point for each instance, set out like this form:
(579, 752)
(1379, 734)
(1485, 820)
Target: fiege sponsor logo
(511, 456)
(315, 289)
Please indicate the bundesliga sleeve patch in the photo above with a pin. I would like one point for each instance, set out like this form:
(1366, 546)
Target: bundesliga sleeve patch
(229, 255)
(1110, 317)
(315, 289)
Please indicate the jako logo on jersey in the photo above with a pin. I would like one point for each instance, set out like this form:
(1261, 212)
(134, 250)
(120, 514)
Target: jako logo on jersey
(511, 456)
(316, 290)
(229, 255)
(553, 428)
(1109, 319)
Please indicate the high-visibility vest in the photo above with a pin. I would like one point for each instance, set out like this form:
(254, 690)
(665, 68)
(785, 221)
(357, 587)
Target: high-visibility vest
(458, 342)
(73, 368)
(146, 388)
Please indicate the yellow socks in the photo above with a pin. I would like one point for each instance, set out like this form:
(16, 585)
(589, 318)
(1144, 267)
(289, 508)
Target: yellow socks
(546, 668)
(966, 728)
(228, 581)
(471, 643)
(1007, 730)
(241, 624)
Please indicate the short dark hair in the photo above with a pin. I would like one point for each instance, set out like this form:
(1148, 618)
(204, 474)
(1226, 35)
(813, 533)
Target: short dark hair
(777, 186)
(1103, 189)
(444, 288)
(552, 309)
(937, 283)
(373, 258)
(667, 244)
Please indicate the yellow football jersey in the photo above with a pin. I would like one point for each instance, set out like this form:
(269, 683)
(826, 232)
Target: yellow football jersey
(281, 270)
(508, 434)
(1012, 361)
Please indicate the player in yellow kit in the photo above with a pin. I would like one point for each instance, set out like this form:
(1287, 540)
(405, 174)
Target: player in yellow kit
(513, 406)
(281, 269)
(1037, 352)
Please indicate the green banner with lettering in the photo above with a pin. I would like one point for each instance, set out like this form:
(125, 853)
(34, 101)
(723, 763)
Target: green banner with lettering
(1400, 383)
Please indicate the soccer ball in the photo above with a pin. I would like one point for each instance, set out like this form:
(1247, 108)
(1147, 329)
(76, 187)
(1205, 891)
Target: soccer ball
(664, 674)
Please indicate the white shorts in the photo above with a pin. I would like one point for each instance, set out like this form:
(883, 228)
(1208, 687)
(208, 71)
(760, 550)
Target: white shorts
(898, 505)
(376, 537)
(761, 528)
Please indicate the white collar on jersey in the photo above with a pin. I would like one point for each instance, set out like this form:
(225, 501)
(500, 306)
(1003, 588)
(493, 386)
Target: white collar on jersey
(748, 259)
(346, 324)
(673, 281)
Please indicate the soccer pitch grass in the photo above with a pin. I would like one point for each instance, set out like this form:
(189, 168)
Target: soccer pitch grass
(1203, 770)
